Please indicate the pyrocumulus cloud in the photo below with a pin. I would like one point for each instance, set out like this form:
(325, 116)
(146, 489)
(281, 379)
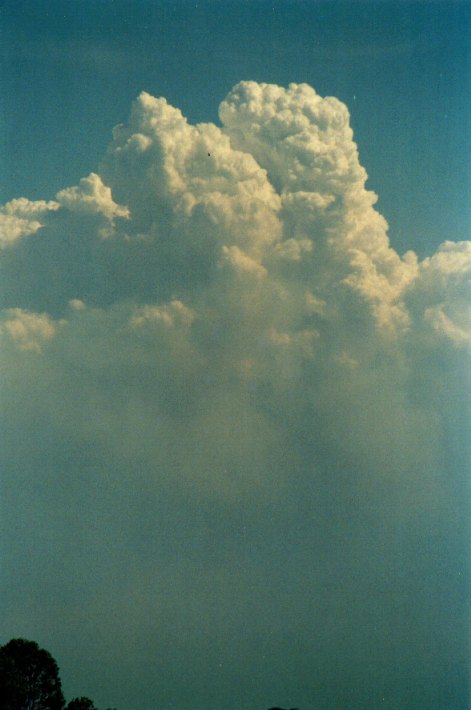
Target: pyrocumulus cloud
(235, 418)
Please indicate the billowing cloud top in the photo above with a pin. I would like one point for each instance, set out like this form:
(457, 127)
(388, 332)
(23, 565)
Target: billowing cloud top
(277, 192)
(222, 306)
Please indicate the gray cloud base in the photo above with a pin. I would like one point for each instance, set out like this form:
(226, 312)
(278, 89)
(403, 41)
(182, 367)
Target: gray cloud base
(235, 422)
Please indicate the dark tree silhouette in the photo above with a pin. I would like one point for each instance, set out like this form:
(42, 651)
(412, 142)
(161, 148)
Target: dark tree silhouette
(81, 704)
(29, 678)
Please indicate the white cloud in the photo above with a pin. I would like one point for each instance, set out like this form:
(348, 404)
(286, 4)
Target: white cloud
(175, 177)
(22, 217)
(242, 263)
(246, 346)
(450, 328)
(269, 244)
(29, 330)
(77, 305)
(174, 313)
(91, 196)
(303, 140)
(271, 211)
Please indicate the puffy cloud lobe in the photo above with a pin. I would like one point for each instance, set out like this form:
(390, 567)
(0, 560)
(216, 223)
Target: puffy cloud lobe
(29, 330)
(197, 197)
(184, 175)
(301, 139)
(306, 145)
(176, 311)
(440, 296)
(21, 218)
(273, 210)
(91, 197)
(245, 341)
(298, 279)
(442, 323)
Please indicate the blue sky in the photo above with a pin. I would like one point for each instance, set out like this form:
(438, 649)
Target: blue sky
(234, 403)
(71, 70)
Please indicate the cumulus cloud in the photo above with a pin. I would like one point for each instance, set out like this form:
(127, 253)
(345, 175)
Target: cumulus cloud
(29, 330)
(91, 196)
(237, 375)
(21, 217)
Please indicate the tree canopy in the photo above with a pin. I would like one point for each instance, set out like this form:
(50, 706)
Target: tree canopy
(81, 704)
(29, 677)
(29, 680)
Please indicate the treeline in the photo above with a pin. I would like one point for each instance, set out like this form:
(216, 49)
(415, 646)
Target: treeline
(29, 680)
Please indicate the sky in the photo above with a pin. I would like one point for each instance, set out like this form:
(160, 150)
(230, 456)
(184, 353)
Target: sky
(235, 330)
